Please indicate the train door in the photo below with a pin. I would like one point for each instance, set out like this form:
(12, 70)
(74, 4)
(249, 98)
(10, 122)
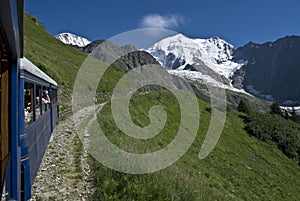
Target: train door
(4, 86)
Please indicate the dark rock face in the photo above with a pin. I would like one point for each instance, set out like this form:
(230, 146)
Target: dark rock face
(273, 69)
(172, 62)
(135, 59)
(125, 57)
(190, 67)
(90, 47)
(238, 78)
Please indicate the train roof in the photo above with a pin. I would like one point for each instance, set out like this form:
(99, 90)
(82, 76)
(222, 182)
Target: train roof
(25, 64)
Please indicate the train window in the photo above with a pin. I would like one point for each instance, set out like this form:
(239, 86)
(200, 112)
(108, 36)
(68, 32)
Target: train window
(28, 103)
(38, 111)
(45, 99)
(54, 95)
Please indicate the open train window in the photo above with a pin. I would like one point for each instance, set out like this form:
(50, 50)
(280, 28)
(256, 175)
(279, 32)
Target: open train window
(28, 103)
(38, 97)
(45, 99)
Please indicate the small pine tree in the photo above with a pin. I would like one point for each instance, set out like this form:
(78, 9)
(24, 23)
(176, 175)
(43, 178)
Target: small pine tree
(242, 107)
(275, 109)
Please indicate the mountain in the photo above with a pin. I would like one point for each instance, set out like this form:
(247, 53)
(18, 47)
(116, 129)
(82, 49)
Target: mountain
(204, 60)
(72, 39)
(269, 71)
(272, 71)
(177, 51)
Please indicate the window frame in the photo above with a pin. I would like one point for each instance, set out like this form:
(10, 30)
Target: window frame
(31, 101)
(42, 85)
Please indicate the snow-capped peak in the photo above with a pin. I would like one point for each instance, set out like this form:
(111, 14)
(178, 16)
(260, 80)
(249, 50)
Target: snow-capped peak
(217, 49)
(71, 39)
(177, 51)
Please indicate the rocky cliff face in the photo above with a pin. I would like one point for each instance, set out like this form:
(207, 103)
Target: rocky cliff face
(135, 59)
(118, 56)
(272, 71)
(238, 78)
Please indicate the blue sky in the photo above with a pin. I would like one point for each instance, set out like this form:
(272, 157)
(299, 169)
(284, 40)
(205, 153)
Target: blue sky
(237, 21)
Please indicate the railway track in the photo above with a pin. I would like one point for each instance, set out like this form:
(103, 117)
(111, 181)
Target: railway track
(65, 113)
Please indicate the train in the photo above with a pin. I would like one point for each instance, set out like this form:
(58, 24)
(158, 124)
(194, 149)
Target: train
(28, 107)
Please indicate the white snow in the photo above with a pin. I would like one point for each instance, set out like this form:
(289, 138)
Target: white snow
(71, 39)
(206, 79)
(214, 52)
(290, 109)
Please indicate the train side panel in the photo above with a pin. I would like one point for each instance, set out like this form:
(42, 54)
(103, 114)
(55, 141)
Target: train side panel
(54, 106)
(34, 134)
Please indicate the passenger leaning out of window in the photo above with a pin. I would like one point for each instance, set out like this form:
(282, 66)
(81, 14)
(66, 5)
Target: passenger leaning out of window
(45, 97)
(28, 115)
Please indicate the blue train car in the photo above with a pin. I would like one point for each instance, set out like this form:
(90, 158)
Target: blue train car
(38, 116)
(28, 107)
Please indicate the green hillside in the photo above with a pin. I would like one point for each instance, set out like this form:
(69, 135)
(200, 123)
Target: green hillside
(52, 56)
(241, 167)
(60, 61)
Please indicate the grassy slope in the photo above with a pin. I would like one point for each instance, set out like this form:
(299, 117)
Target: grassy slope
(55, 58)
(59, 60)
(240, 168)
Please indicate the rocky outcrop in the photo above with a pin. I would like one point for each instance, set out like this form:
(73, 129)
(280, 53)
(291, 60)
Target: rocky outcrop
(134, 59)
(273, 69)
(238, 78)
(125, 57)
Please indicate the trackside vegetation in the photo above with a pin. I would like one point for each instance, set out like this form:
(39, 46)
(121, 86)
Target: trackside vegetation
(241, 167)
(274, 128)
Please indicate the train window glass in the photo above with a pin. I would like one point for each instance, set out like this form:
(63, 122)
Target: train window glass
(45, 99)
(28, 103)
(54, 95)
(38, 111)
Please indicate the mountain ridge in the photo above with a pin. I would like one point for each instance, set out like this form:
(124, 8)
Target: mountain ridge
(272, 71)
(217, 62)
